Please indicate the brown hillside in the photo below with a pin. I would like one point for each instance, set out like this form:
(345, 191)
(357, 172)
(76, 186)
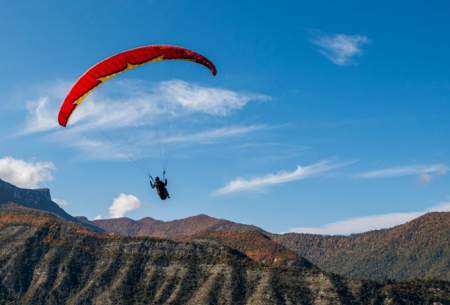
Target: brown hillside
(417, 249)
(170, 229)
(255, 245)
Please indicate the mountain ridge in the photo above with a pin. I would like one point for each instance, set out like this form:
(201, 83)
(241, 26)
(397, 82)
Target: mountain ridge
(419, 248)
(372, 255)
(148, 226)
(50, 261)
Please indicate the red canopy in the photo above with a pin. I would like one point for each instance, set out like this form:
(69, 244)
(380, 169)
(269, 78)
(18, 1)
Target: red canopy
(121, 62)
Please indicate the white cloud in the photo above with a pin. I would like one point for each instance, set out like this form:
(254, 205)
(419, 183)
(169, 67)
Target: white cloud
(138, 144)
(424, 172)
(341, 48)
(99, 112)
(123, 204)
(42, 107)
(301, 172)
(41, 116)
(25, 174)
(368, 223)
(98, 217)
(442, 207)
(99, 149)
(120, 110)
(213, 134)
(61, 202)
(213, 101)
(135, 103)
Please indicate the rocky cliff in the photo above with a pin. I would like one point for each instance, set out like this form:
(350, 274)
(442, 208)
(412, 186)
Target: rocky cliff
(39, 199)
(13, 197)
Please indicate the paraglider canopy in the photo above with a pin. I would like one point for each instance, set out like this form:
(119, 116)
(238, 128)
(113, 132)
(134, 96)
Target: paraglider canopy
(110, 67)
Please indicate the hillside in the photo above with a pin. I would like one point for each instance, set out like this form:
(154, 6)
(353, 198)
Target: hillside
(255, 245)
(417, 249)
(170, 229)
(45, 260)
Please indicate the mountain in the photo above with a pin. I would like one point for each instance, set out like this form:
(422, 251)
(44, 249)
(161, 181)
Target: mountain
(417, 249)
(46, 260)
(171, 229)
(13, 197)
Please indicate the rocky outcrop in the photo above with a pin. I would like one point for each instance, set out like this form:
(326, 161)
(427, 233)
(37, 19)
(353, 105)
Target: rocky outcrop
(13, 197)
(39, 199)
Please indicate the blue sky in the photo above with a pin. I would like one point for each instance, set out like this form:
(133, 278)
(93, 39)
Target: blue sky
(324, 117)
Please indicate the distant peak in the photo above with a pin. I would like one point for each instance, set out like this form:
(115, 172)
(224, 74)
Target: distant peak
(119, 219)
(203, 216)
(148, 219)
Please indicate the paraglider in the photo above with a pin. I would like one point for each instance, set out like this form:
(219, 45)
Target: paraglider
(121, 62)
(110, 67)
(160, 186)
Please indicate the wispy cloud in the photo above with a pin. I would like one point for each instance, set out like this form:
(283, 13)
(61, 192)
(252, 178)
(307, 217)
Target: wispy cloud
(213, 134)
(99, 149)
(129, 106)
(123, 204)
(147, 144)
(61, 202)
(369, 223)
(341, 49)
(213, 101)
(136, 103)
(301, 172)
(28, 174)
(40, 116)
(42, 107)
(424, 172)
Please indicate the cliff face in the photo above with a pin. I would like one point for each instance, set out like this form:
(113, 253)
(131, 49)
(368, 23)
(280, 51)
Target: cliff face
(38, 199)
(44, 260)
(417, 249)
